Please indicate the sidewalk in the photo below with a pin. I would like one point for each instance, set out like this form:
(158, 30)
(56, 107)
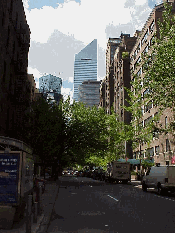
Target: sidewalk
(48, 199)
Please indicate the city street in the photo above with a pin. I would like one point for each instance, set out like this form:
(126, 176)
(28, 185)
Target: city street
(88, 205)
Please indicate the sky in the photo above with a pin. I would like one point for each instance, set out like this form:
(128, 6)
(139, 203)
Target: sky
(61, 28)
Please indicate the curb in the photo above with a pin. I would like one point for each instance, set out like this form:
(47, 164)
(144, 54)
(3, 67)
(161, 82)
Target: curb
(45, 220)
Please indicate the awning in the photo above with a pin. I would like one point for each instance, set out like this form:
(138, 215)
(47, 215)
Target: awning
(136, 161)
(131, 161)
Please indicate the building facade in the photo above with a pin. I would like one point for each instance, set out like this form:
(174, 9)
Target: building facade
(122, 81)
(122, 77)
(102, 93)
(112, 45)
(50, 86)
(162, 147)
(85, 66)
(15, 87)
(89, 93)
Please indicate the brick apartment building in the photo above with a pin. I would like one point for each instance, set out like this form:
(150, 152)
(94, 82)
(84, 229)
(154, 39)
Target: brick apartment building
(15, 85)
(122, 79)
(162, 147)
(107, 91)
(102, 93)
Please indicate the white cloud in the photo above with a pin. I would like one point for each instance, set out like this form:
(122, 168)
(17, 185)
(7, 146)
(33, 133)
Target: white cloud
(66, 92)
(70, 79)
(86, 21)
(57, 33)
(36, 74)
(141, 2)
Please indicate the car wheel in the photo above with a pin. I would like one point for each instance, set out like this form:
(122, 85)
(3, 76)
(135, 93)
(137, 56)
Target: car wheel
(144, 187)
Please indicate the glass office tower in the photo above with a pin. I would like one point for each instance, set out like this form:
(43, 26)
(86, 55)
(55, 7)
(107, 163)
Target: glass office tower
(85, 66)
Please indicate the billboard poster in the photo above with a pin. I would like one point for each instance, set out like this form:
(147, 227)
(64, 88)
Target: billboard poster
(9, 175)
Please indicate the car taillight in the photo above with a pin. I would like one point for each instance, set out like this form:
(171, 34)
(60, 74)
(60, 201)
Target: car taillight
(166, 180)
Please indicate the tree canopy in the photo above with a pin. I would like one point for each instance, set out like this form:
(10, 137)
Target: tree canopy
(159, 65)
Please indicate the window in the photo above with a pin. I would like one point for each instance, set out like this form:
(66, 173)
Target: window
(148, 106)
(142, 110)
(146, 49)
(167, 145)
(145, 36)
(150, 152)
(152, 41)
(156, 116)
(139, 72)
(141, 124)
(134, 155)
(166, 122)
(147, 121)
(157, 150)
(122, 113)
(147, 91)
(138, 60)
(151, 27)
(138, 48)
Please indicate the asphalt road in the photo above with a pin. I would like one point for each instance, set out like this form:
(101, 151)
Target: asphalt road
(95, 207)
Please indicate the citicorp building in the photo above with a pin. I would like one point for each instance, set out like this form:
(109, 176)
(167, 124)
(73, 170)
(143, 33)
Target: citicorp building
(85, 66)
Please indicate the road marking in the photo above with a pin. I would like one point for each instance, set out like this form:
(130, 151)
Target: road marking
(165, 198)
(112, 198)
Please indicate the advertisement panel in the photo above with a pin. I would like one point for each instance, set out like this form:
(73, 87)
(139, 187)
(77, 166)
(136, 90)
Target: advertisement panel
(9, 176)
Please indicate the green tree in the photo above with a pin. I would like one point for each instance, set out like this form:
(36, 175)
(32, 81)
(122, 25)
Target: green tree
(44, 131)
(159, 65)
(85, 132)
(118, 134)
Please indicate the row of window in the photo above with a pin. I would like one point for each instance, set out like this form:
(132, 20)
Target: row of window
(152, 151)
(144, 52)
(145, 122)
(144, 39)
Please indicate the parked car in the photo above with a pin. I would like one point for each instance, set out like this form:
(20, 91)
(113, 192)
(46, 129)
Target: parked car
(161, 177)
(79, 173)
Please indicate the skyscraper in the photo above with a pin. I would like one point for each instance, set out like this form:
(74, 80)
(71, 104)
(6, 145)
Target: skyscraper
(85, 66)
(50, 86)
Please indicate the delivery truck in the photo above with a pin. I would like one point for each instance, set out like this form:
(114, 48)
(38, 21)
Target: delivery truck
(161, 178)
(118, 172)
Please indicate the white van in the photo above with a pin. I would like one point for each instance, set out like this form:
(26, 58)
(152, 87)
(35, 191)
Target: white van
(161, 178)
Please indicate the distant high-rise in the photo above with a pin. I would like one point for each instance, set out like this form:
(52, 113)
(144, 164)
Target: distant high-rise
(85, 66)
(89, 93)
(50, 86)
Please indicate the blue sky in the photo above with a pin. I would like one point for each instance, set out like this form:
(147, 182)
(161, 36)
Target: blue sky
(54, 3)
(40, 3)
(61, 28)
